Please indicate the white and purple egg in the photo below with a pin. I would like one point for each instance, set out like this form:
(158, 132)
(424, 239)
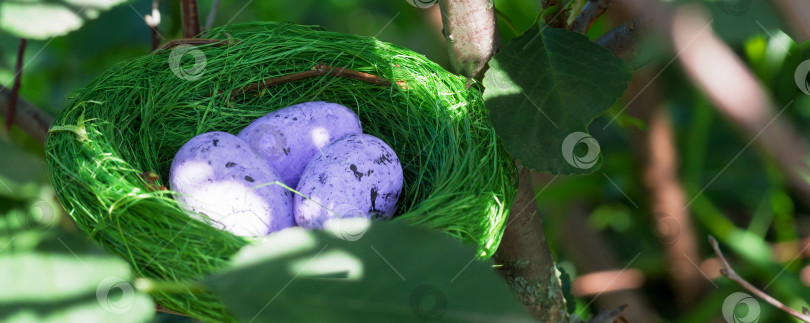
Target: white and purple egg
(216, 175)
(357, 175)
(288, 138)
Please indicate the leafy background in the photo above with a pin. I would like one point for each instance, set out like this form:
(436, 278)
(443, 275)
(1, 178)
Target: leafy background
(748, 204)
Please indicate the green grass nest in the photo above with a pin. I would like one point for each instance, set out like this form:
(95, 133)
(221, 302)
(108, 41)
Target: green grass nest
(135, 116)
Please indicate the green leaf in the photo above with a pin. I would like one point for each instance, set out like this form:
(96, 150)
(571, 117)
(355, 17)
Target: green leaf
(42, 19)
(393, 273)
(48, 275)
(544, 87)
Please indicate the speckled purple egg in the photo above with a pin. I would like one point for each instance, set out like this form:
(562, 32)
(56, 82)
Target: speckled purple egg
(216, 175)
(355, 176)
(290, 137)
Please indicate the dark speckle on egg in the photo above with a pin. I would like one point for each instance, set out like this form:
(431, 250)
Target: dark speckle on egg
(249, 179)
(357, 174)
(230, 164)
(216, 141)
(374, 200)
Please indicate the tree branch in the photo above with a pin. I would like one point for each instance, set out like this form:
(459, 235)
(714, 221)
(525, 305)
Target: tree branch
(731, 274)
(623, 39)
(471, 31)
(318, 70)
(15, 90)
(592, 10)
(191, 19)
(525, 259)
(29, 118)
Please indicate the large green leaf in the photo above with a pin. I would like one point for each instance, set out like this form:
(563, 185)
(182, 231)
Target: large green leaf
(41, 19)
(545, 87)
(393, 273)
(50, 275)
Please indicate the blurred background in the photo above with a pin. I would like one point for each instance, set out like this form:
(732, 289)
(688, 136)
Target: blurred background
(681, 159)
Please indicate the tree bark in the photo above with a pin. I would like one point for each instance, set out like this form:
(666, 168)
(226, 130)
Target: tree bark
(623, 39)
(471, 31)
(590, 13)
(526, 260)
(29, 118)
(190, 17)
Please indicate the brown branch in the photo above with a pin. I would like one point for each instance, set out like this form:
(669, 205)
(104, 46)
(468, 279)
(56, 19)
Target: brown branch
(191, 19)
(623, 39)
(192, 41)
(15, 90)
(471, 32)
(29, 118)
(318, 70)
(525, 258)
(588, 16)
(732, 275)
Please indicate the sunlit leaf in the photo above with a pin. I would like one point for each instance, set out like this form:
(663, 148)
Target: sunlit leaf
(391, 273)
(41, 19)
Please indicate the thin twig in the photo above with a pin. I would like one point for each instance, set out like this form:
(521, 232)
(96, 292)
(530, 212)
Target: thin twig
(731, 274)
(191, 19)
(15, 90)
(209, 22)
(592, 10)
(192, 41)
(318, 70)
(29, 118)
(153, 20)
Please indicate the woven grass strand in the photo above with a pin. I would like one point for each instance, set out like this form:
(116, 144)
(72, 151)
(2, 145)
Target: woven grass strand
(135, 116)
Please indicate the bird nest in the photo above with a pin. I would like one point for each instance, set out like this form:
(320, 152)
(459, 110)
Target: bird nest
(110, 150)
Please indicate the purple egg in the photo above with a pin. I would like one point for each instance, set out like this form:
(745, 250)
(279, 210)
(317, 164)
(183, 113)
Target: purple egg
(290, 137)
(355, 176)
(216, 175)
